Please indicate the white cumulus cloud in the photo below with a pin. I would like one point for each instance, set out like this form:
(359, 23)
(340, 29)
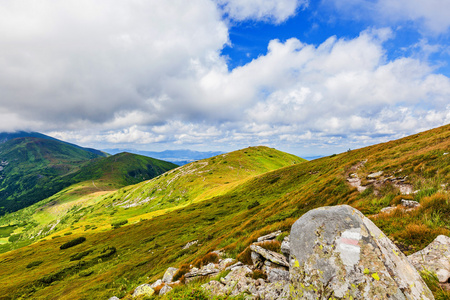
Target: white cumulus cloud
(261, 10)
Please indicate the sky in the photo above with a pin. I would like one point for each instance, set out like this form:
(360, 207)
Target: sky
(306, 77)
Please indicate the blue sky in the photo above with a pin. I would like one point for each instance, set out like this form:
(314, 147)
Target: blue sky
(307, 77)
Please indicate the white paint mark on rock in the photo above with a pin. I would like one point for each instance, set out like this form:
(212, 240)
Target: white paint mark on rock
(348, 247)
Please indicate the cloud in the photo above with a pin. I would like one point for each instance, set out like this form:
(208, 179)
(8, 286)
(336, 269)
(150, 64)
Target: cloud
(261, 10)
(432, 17)
(150, 73)
(93, 60)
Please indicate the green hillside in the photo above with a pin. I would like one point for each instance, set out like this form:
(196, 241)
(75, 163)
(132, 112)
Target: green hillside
(31, 170)
(94, 179)
(115, 261)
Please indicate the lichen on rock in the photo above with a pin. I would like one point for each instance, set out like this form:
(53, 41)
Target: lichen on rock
(338, 253)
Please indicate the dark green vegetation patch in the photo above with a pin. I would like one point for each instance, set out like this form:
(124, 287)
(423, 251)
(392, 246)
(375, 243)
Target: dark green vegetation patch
(73, 242)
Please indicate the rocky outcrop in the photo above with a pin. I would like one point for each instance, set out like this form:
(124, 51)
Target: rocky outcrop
(337, 252)
(434, 258)
(238, 281)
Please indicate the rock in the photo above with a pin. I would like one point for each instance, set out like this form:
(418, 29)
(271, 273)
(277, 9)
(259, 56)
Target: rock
(238, 282)
(388, 210)
(276, 290)
(113, 298)
(224, 262)
(375, 175)
(337, 252)
(234, 283)
(188, 245)
(143, 290)
(274, 257)
(410, 203)
(165, 289)
(286, 247)
(168, 276)
(209, 270)
(434, 258)
(156, 283)
(210, 266)
(238, 264)
(257, 259)
(270, 236)
(277, 274)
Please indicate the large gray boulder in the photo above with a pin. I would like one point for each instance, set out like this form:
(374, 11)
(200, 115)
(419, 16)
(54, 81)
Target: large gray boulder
(434, 258)
(338, 253)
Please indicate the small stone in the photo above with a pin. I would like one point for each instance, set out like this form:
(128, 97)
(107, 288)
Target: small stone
(156, 283)
(270, 236)
(210, 266)
(168, 276)
(223, 263)
(388, 210)
(274, 257)
(143, 290)
(165, 289)
(286, 247)
(257, 259)
(190, 244)
(375, 175)
(410, 203)
(236, 265)
(113, 298)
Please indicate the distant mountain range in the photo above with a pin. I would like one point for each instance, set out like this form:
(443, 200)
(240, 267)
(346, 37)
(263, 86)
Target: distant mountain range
(179, 157)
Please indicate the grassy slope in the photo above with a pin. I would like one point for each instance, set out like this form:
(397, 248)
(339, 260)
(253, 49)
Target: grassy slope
(95, 179)
(145, 249)
(34, 170)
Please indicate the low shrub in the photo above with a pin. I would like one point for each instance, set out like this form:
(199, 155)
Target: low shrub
(107, 252)
(80, 255)
(258, 274)
(119, 223)
(245, 256)
(253, 204)
(72, 243)
(34, 264)
(14, 238)
(181, 271)
(273, 245)
(208, 258)
(86, 273)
